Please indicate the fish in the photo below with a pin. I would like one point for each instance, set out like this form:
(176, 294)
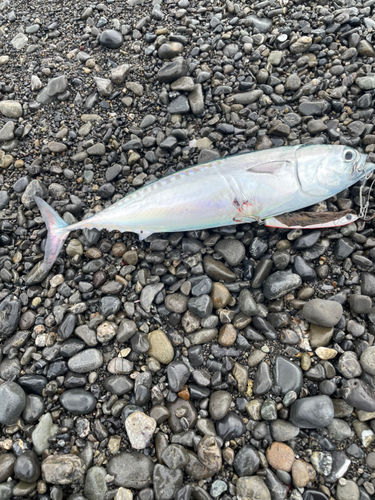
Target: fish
(255, 186)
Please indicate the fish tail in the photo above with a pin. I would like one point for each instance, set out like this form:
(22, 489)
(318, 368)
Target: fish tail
(58, 231)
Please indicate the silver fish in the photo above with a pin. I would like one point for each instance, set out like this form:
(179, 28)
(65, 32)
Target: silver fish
(233, 190)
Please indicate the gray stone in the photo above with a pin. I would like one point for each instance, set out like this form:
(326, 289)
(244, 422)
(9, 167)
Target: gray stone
(57, 85)
(63, 469)
(86, 361)
(11, 109)
(95, 484)
(312, 412)
(322, 312)
(131, 470)
(12, 402)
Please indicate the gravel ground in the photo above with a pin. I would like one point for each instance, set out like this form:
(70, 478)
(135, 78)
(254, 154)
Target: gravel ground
(230, 363)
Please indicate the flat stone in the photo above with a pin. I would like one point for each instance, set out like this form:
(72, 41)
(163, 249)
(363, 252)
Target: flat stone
(86, 361)
(322, 312)
(140, 429)
(131, 470)
(63, 469)
(57, 86)
(280, 456)
(251, 488)
(11, 109)
(12, 402)
(42, 432)
(312, 412)
(111, 39)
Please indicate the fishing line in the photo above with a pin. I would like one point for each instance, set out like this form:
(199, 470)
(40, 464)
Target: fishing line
(365, 206)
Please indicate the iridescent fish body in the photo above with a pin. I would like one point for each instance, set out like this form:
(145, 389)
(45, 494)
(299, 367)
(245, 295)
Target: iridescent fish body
(233, 190)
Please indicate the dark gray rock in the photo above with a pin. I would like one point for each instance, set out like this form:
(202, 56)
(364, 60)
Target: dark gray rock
(312, 412)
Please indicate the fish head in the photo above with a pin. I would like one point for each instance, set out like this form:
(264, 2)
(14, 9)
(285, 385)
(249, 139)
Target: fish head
(326, 170)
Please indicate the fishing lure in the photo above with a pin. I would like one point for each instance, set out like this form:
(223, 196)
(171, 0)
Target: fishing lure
(257, 186)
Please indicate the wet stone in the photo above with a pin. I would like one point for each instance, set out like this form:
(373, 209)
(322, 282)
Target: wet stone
(111, 39)
(63, 469)
(246, 462)
(86, 361)
(178, 374)
(230, 427)
(280, 283)
(78, 401)
(287, 375)
(233, 251)
(322, 312)
(10, 313)
(249, 487)
(175, 456)
(12, 402)
(219, 404)
(27, 467)
(166, 482)
(312, 412)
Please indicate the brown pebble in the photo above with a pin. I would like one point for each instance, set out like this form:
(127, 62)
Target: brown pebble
(184, 393)
(227, 335)
(93, 253)
(280, 456)
(302, 473)
(99, 279)
(130, 257)
(220, 295)
(119, 249)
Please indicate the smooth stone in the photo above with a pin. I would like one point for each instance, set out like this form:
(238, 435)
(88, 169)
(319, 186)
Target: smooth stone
(34, 408)
(219, 404)
(160, 347)
(78, 401)
(287, 375)
(111, 39)
(27, 467)
(12, 402)
(185, 407)
(57, 86)
(178, 374)
(280, 283)
(232, 250)
(95, 484)
(175, 456)
(10, 313)
(140, 429)
(166, 482)
(217, 271)
(86, 361)
(63, 469)
(230, 427)
(282, 430)
(262, 379)
(312, 412)
(246, 462)
(131, 470)
(42, 432)
(252, 488)
(357, 393)
(7, 461)
(322, 312)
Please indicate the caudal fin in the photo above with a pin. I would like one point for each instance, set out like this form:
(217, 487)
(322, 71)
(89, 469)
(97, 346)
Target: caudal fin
(57, 232)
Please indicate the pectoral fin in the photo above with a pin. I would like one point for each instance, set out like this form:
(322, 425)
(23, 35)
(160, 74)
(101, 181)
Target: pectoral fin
(270, 168)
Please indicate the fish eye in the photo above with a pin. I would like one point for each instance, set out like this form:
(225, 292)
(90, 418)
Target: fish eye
(349, 155)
